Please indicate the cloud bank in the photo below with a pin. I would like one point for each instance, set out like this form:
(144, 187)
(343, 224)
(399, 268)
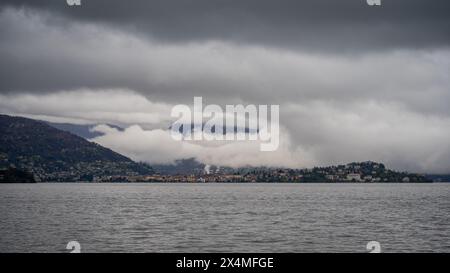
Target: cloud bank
(385, 97)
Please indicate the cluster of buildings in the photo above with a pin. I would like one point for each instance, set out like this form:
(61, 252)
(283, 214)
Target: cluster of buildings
(360, 172)
(59, 171)
(364, 172)
(176, 178)
(107, 171)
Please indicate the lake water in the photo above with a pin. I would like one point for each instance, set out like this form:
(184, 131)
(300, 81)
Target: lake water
(224, 217)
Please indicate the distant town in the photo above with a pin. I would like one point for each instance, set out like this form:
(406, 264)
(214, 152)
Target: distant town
(364, 172)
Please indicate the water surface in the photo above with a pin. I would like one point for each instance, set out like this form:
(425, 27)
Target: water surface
(224, 217)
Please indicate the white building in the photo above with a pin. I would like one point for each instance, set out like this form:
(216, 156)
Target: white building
(353, 176)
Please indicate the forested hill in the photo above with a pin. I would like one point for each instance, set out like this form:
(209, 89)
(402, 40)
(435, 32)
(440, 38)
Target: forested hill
(53, 154)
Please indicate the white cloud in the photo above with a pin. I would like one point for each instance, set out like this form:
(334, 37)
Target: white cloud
(120, 107)
(157, 146)
(389, 133)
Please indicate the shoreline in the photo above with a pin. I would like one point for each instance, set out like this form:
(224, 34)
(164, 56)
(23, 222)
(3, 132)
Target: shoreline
(252, 183)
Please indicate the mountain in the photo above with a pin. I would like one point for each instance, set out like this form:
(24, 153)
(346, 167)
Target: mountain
(82, 130)
(55, 155)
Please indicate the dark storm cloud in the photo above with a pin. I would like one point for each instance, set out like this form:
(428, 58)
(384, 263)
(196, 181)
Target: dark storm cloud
(344, 25)
(45, 52)
(39, 60)
(353, 82)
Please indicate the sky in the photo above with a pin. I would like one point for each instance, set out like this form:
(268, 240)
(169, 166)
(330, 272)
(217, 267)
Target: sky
(354, 82)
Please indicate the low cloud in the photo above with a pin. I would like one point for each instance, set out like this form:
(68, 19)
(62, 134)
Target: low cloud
(157, 146)
(313, 133)
(359, 131)
(113, 106)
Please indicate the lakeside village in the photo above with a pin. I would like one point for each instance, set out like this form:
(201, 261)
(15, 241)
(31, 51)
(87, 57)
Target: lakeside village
(364, 172)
